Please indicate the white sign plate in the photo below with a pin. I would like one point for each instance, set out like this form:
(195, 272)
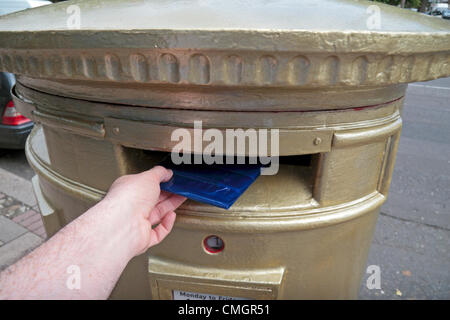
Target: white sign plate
(186, 295)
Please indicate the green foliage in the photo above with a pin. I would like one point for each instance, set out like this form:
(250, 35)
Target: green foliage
(408, 3)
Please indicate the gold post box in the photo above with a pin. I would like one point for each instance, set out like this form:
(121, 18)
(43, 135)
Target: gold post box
(107, 82)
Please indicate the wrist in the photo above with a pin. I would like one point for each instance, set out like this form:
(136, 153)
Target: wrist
(116, 231)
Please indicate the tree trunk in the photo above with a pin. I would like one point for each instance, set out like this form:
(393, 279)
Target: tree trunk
(402, 3)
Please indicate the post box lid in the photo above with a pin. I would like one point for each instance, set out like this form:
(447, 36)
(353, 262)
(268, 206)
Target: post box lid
(233, 42)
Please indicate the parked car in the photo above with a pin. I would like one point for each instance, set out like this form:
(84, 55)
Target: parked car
(9, 6)
(437, 11)
(446, 14)
(14, 127)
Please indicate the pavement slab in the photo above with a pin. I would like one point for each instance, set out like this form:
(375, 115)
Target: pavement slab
(16, 249)
(17, 186)
(18, 216)
(9, 230)
(21, 228)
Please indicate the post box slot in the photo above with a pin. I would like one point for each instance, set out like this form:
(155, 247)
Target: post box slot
(146, 159)
(295, 178)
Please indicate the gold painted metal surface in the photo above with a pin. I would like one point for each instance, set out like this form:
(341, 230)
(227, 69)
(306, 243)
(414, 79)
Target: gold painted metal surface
(243, 54)
(250, 99)
(49, 217)
(166, 276)
(106, 97)
(301, 207)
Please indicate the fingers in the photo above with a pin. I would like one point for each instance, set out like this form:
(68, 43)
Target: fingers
(166, 206)
(163, 229)
(159, 173)
(164, 214)
(163, 196)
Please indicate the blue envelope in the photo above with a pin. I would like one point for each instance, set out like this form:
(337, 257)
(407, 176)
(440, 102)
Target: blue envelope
(219, 185)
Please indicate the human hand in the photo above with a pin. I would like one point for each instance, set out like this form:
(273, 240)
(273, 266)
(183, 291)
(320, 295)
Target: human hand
(100, 242)
(136, 204)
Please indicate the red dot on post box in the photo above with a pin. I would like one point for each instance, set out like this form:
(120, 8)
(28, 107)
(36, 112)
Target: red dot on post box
(213, 244)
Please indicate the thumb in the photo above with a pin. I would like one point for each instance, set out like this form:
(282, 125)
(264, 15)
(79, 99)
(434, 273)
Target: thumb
(159, 173)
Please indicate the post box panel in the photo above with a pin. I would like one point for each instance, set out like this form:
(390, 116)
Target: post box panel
(153, 136)
(171, 279)
(28, 99)
(247, 99)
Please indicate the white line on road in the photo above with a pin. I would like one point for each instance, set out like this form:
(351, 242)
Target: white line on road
(436, 91)
(425, 86)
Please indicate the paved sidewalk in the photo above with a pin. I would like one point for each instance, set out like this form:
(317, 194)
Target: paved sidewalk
(21, 227)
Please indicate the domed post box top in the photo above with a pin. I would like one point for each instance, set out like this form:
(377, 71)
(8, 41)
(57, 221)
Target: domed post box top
(235, 43)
